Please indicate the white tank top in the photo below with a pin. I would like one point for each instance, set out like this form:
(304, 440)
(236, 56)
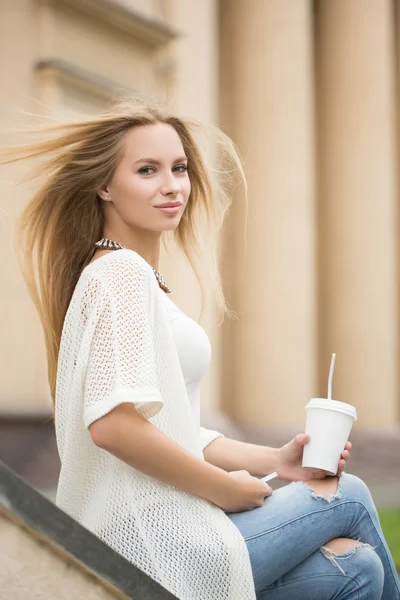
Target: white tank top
(194, 352)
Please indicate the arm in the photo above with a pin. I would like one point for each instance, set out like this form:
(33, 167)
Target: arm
(261, 460)
(136, 441)
(232, 455)
(133, 439)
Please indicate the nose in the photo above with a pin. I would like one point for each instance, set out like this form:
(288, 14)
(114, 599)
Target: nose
(170, 186)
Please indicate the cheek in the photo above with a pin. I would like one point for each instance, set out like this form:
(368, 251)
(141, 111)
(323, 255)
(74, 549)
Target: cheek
(187, 189)
(130, 189)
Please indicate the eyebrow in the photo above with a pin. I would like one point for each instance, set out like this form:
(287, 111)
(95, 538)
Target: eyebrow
(152, 161)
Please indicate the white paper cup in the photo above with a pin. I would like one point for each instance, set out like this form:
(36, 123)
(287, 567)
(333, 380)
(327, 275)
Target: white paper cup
(328, 423)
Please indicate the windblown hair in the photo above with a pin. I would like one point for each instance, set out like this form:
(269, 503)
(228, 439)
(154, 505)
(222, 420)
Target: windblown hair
(57, 229)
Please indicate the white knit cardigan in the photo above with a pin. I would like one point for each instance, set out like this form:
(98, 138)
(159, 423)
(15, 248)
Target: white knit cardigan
(116, 347)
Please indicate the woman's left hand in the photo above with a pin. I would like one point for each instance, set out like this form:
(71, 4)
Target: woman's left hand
(290, 457)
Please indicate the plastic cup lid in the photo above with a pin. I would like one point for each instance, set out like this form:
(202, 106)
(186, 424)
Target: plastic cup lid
(334, 405)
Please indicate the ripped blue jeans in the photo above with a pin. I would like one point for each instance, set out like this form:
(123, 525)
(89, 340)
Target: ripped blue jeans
(286, 536)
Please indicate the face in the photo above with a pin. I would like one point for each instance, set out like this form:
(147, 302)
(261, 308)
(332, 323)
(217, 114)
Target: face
(150, 187)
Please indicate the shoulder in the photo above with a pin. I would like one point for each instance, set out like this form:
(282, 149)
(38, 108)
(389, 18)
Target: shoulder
(119, 265)
(121, 272)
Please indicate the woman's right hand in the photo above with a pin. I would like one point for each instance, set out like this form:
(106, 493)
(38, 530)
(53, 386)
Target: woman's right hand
(243, 492)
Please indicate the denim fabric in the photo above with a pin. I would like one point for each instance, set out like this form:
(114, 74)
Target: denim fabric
(285, 539)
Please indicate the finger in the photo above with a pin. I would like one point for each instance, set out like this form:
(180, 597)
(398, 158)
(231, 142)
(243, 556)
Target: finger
(348, 446)
(345, 454)
(342, 464)
(302, 438)
(268, 491)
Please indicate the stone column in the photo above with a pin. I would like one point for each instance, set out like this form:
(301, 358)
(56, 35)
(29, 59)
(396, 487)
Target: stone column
(358, 225)
(267, 108)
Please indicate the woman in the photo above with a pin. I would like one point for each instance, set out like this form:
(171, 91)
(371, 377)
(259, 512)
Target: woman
(184, 504)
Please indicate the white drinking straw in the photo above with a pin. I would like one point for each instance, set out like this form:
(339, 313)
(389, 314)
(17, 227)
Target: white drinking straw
(269, 477)
(331, 376)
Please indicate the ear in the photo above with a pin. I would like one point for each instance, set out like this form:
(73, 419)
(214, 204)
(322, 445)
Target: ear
(104, 193)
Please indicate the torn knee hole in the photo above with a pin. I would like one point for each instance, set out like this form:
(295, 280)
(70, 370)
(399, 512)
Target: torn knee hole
(334, 557)
(327, 498)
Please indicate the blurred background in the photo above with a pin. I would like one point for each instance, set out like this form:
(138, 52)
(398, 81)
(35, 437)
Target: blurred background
(309, 91)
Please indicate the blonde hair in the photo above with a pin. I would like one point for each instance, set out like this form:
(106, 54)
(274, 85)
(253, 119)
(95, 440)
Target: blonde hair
(57, 229)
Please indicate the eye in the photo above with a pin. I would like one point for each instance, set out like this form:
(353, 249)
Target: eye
(180, 168)
(146, 170)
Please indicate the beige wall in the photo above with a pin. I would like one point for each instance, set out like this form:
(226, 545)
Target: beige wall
(23, 373)
(307, 91)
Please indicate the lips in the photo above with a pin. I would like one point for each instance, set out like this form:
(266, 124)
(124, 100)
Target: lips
(169, 205)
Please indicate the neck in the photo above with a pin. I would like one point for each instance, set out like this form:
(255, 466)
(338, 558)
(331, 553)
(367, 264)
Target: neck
(147, 244)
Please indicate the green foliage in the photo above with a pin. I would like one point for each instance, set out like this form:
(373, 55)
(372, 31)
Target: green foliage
(390, 521)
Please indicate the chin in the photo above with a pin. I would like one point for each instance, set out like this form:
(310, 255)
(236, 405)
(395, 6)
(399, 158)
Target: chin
(171, 223)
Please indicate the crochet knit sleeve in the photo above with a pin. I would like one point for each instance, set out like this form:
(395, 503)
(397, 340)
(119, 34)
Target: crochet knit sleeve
(121, 363)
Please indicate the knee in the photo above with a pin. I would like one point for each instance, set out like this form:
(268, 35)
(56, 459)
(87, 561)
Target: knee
(353, 482)
(362, 569)
(369, 572)
(355, 489)
(349, 487)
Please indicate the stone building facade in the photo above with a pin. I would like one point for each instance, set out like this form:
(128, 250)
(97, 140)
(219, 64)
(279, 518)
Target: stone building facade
(309, 92)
